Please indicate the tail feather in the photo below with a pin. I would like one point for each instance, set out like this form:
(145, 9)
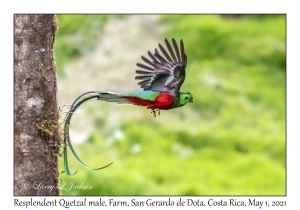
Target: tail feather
(143, 98)
(81, 99)
(119, 98)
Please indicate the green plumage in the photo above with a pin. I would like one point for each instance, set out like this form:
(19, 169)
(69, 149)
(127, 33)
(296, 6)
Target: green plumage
(146, 95)
(182, 100)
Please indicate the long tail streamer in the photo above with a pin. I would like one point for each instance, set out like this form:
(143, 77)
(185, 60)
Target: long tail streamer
(80, 100)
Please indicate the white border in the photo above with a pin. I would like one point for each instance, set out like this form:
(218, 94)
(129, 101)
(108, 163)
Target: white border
(153, 6)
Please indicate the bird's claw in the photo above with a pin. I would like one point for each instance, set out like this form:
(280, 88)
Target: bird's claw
(154, 112)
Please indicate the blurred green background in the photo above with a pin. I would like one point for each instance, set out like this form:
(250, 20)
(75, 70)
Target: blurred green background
(230, 142)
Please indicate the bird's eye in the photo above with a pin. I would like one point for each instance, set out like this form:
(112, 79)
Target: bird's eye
(186, 98)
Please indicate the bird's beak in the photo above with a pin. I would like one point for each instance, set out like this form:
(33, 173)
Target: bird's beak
(193, 100)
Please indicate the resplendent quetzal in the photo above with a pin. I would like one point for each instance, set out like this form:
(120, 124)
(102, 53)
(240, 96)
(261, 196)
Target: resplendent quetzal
(161, 79)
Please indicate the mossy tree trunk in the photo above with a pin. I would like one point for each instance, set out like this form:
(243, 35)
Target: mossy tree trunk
(36, 130)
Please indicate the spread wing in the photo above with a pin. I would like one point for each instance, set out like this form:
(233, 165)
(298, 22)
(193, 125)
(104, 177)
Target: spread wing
(163, 74)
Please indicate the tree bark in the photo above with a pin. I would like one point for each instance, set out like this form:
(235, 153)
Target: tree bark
(36, 129)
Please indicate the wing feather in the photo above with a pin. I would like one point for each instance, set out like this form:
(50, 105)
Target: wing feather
(141, 77)
(176, 50)
(161, 59)
(143, 66)
(147, 61)
(143, 83)
(171, 50)
(165, 70)
(182, 51)
(162, 49)
(152, 56)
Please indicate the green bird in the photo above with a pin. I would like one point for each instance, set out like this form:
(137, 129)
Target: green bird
(161, 79)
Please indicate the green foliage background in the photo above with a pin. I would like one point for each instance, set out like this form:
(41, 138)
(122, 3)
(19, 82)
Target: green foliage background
(230, 142)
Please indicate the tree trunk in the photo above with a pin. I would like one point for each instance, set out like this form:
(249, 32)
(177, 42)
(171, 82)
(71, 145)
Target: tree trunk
(36, 130)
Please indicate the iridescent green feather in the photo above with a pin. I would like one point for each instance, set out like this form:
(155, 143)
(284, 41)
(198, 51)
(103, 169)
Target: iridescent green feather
(146, 95)
(182, 100)
(74, 106)
(106, 96)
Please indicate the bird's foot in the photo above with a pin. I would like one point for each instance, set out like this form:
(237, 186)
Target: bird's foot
(154, 112)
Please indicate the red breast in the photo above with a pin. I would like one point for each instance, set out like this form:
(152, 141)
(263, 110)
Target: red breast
(163, 101)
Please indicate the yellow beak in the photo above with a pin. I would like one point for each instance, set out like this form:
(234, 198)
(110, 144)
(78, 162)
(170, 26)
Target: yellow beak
(193, 101)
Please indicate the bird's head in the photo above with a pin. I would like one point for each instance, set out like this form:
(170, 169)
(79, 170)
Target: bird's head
(184, 98)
